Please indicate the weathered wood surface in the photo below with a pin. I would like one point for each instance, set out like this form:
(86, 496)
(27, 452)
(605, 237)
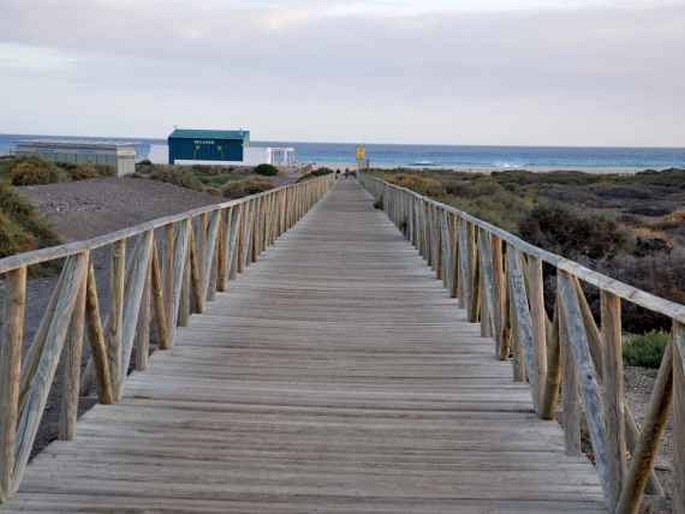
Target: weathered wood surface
(336, 375)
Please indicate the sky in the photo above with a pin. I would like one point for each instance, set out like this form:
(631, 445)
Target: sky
(500, 72)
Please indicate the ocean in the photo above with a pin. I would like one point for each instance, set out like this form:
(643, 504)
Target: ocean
(439, 156)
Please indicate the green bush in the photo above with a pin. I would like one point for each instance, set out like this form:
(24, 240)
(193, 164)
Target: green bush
(31, 171)
(573, 234)
(318, 172)
(645, 350)
(266, 170)
(246, 187)
(83, 172)
(178, 176)
(22, 227)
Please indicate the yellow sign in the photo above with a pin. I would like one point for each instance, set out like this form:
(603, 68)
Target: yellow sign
(361, 153)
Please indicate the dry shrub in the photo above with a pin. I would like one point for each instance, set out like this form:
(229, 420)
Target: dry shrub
(31, 171)
(83, 172)
(671, 220)
(421, 184)
(574, 234)
(22, 227)
(246, 187)
(178, 176)
(267, 170)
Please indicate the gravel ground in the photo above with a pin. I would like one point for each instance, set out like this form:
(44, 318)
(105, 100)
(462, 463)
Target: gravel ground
(84, 209)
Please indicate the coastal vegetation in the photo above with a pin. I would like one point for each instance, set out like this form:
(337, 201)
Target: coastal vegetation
(221, 180)
(630, 227)
(22, 227)
(266, 170)
(318, 172)
(33, 171)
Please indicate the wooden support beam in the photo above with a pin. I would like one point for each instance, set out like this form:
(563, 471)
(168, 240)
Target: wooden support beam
(536, 298)
(142, 337)
(593, 408)
(550, 392)
(652, 432)
(523, 323)
(98, 344)
(33, 403)
(71, 358)
(679, 418)
(136, 280)
(180, 292)
(117, 282)
(209, 255)
(614, 401)
(10, 373)
(159, 300)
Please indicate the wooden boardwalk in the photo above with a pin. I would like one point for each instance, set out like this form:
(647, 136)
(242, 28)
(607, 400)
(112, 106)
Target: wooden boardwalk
(336, 375)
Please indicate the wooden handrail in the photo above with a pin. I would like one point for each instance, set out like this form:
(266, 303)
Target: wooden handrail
(497, 278)
(160, 272)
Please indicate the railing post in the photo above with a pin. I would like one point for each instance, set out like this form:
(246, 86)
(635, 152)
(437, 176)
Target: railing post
(500, 300)
(169, 250)
(614, 405)
(679, 417)
(10, 373)
(98, 342)
(585, 372)
(116, 312)
(142, 341)
(539, 318)
(71, 357)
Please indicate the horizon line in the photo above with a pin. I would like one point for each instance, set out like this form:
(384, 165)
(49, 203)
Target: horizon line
(363, 143)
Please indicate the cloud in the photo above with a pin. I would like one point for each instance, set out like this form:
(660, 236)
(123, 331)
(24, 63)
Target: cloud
(575, 72)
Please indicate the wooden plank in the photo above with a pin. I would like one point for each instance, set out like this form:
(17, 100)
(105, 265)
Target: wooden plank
(336, 376)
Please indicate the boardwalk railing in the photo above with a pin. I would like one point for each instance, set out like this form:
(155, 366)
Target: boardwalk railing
(159, 272)
(561, 351)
